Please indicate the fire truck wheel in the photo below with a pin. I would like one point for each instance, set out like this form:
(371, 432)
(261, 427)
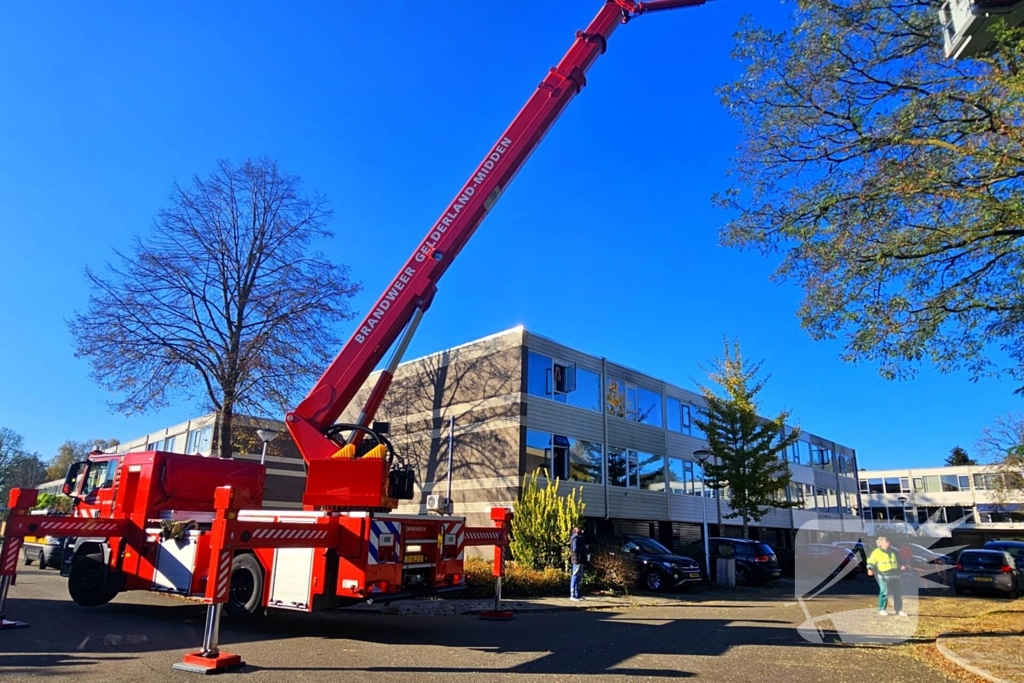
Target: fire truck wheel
(246, 595)
(87, 582)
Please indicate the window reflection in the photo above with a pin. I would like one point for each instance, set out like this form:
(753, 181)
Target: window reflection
(636, 404)
(564, 457)
(562, 381)
(651, 471)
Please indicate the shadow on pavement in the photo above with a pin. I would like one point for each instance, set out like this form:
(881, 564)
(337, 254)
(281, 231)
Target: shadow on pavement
(572, 642)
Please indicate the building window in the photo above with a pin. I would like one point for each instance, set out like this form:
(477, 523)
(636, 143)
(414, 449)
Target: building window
(950, 483)
(538, 452)
(585, 461)
(564, 457)
(822, 458)
(965, 482)
(651, 469)
(918, 484)
(795, 494)
(686, 477)
(904, 485)
(562, 381)
(875, 486)
(199, 440)
(864, 486)
(620, 470)
(676, 474)
(678, 416)
(633, 403)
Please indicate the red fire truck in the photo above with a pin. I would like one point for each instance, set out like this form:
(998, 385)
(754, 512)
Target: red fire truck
(193, 526)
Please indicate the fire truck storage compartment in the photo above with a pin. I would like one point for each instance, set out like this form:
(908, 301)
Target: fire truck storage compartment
(175, 562)
(293, 577)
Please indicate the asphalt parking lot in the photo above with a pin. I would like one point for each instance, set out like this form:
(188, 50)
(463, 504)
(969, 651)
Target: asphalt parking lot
(749, 635)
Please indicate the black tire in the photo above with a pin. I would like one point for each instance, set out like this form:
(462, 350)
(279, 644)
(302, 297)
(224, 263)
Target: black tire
(87, 581)
(246, 595)
(654, 580)
(958, 590)
(28, 560)
(42, 560)
(743, 577)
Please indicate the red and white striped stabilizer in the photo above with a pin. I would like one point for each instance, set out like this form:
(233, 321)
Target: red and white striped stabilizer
(482, 535)
(9, 552)
(222, 580)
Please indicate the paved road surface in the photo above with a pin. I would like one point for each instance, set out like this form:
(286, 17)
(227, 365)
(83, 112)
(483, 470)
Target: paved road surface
(750, 637)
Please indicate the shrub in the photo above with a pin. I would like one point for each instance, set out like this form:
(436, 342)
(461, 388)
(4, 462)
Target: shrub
(518, 582)
(542, 524)
(612, 570)
(55, 502)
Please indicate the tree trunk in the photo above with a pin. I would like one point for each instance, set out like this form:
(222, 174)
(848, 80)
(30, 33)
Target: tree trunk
(746, 528)
(226, 419)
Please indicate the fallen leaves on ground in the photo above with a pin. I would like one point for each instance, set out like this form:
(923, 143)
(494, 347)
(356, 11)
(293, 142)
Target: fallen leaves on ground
(969, 614)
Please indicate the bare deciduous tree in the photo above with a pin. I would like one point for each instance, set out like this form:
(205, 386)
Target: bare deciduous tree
(1002, 445)
(18, 468)
(227, 300)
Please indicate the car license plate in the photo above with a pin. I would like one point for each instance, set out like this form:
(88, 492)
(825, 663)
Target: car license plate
(777, 573)
(694, 576)
(414, 559)
(983, 578)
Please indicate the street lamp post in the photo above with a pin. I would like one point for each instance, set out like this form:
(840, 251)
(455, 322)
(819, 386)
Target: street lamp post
(903, 503)
(702, 457)
(267, 435)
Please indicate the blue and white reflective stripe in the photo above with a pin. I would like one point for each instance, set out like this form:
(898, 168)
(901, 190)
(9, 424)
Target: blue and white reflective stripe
(383, 534)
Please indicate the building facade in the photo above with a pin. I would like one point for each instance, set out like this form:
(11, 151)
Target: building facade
(971, 493)
(518, 403)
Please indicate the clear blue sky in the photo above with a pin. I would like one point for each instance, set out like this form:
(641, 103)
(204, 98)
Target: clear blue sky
(606, 241)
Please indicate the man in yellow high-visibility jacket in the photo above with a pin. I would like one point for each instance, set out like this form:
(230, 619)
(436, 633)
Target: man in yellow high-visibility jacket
(884, 564)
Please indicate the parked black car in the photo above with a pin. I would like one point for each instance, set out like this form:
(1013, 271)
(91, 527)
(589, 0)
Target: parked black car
(1015, 548)
(658, 567)
(756, 562)
(988, 570)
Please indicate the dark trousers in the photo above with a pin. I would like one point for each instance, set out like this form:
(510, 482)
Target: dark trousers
(889, 585)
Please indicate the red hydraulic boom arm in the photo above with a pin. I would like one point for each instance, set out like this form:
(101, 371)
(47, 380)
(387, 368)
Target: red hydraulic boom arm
(337, 477)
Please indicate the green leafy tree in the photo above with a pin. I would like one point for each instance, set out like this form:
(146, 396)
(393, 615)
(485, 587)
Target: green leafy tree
(958, 457)
(748, 451)
(891, 181)
(71, 452)
(225, 300)
(542, 524)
